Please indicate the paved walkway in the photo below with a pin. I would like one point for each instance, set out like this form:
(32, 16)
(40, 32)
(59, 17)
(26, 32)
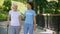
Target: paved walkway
(3, 28)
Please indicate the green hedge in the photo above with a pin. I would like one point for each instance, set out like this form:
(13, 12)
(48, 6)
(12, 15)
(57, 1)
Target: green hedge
(3, 15)
(7, 5)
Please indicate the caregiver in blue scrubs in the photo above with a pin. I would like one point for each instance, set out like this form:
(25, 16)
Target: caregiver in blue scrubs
(30, 19)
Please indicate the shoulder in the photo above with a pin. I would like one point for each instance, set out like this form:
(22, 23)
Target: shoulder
(10, 11)
(26, 11)
(19, 12)
(33, 10)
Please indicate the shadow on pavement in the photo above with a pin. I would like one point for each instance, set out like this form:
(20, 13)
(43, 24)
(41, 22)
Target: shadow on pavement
(3, 30)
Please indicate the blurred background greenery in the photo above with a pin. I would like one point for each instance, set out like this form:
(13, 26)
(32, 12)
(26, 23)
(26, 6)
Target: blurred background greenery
(41, 7)
(5, 6)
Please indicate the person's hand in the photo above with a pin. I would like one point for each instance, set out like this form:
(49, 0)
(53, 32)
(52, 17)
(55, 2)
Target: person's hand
(8, 24)
(20, 28)
(34, 28)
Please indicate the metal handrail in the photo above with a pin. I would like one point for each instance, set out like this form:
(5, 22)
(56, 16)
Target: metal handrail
(51, 14)
(47, 17)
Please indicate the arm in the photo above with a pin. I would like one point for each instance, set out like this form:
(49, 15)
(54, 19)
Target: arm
(22, 17)
(20, 20)
(34, 23)
(9, 16)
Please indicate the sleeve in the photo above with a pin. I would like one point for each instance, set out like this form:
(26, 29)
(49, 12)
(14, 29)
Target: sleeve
(34, 13)
(10, 12)
(19, 13)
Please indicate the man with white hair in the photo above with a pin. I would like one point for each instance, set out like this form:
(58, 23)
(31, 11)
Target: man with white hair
(15, 22)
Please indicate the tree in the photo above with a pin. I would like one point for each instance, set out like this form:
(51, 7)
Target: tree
(7, 5)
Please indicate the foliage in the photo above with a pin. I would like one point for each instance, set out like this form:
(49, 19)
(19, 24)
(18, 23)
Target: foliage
(7, 5)
(52, 7)
(3, 15)
(23, 1)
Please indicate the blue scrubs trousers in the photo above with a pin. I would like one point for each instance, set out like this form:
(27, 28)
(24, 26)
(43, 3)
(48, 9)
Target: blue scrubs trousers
(28, 28)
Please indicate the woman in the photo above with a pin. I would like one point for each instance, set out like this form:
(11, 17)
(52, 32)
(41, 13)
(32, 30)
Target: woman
(15, 23)
(30, 19)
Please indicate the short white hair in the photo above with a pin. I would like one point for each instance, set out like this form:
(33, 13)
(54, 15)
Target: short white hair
(14, 5)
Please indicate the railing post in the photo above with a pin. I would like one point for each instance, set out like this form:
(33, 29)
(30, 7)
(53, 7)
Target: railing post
(45, 17)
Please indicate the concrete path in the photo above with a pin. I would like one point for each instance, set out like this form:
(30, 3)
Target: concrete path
(3, 28)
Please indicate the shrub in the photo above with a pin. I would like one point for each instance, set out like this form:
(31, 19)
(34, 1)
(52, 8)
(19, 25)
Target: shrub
(7, 5)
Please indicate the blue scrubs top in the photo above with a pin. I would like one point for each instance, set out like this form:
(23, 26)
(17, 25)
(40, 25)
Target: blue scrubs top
(29, 16)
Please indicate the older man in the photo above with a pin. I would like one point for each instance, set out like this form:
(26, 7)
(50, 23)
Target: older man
(15, 23)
